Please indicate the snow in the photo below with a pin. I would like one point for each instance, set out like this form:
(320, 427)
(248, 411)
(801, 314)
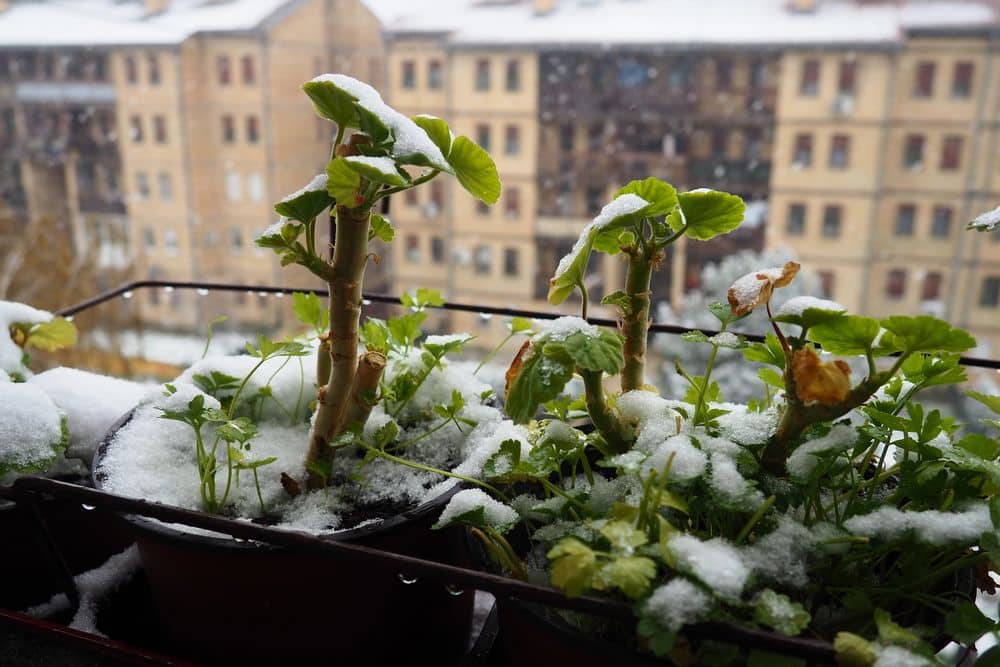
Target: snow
(165, 347)
(562, 328)
(928, 526)
(781, 555)
(897, 656)
(94, 587)
(799, 304)
(11, 354)
(384, 165)
(317, 184)
(730, 486)
(725, 339)
(987, 221)
(755, 287)
(619, 206)
(745, 427)
(90, 23)
(715, 563)
(447, 339)
(688, 463)
(274, 229)
(678, 603)
(409, 137)
(602, 23)
(803, 460)
(91, 402)
(30, 428)
(498, 515)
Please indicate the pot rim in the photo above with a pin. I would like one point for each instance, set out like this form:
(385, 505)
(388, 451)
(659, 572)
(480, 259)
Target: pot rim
(164, 532)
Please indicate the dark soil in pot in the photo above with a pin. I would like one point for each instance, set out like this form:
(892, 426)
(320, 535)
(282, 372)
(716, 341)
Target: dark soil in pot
(226, 601)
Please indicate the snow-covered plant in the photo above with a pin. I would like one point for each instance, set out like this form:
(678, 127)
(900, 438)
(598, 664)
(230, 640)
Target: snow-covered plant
(387, 153)
(833, 506)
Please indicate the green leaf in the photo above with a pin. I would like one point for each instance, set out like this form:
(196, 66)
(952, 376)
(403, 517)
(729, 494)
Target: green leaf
(848, 335)
(853, 651)
(437, 130)
(505, 460)
(421, 298)
(332, 103)
(538, 379)
(239, 430)
(375, 334)
(386, 434)
(661, 195)
(771, 377)
(309, 310)
(451, 344)
(305, 205)
(381, 228)
(372, 125)
(811, 317)
(623, 536)
(890, 632)
(620, 300)
(632, 575)
(574, 565)
(343, 182)
(521, 325)
(985, 448)
(768, 352)
(405, 329)
(709, 213)
(602, 352)
(967, 624)
(55, 334)
(992, 402)
(475, 170)
(990, 658)
(923, 333)
(777, 611)
(694, 336)
(372, 172)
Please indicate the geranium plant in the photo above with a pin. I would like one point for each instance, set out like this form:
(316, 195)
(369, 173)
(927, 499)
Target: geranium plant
(830, 507)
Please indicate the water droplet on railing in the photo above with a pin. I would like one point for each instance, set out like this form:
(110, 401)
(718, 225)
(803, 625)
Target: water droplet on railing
(486, 317)
(262, 294)
(407, 579)
(127, 295)
(202, 291)
(88, 507)
(279, 295)
(69, 318)
(454, 590)
(366, 302)
(168, 288)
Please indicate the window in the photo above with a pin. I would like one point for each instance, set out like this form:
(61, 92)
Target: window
(131, 70)
(410, 197)
(753, 145)
(809, 83)
(249, 70)
(566, 133)
(435, 76)
(482, 74)
(512, 203)
(758, 74)
(222, 70)
(723, 73)
(931, 288)
(142, 185)
(923, 82)
(160, 129)
(951, 152)
(437, 250)
(513, 78)
(437, 194)
(412, 248)
(483, 136)
(840, 150)
(255, 186)
(149, 238)
(594, 197)
(234, 187)
(510, 262)
(235, 239)
(153, 67)
(135, 125)
(253, 129)
(905, 216)
(483, 259)
(961, 80)
(847, 78)
(802, 156)
(408, 79)
(913, 151)
(831, 221)
(170, 241)
(796, 220)
(941, 222)
(989, 294)
(895, 284)
(228, 129)
(166, 186)
(720, 139)
(512, 143)
(827, 281)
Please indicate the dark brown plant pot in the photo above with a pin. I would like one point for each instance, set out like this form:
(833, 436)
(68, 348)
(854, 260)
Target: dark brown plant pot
(86, 537)
(226, 601)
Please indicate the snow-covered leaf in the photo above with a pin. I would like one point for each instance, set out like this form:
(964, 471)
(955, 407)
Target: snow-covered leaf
(437, 130)
(376, 169)
(661, 195)
(343, 182)
(307, 203)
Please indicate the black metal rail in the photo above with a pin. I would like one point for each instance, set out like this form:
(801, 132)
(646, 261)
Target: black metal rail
(977, 362)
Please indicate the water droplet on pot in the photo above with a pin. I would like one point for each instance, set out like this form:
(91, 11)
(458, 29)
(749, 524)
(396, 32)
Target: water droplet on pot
(407, 579)
(88, 507)
(454, 590)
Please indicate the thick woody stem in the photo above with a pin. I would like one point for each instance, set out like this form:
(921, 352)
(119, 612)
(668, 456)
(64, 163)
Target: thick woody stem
(635, 325)
(323, 360)
(615, 433)
(371, 365)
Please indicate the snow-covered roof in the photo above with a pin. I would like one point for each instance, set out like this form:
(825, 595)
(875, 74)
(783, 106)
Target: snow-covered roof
(677, 22)
(125, 22)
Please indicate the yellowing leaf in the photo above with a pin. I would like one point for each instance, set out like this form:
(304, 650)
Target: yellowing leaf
(573, 565)
(756, 288)
(820, 382)
(55, 334)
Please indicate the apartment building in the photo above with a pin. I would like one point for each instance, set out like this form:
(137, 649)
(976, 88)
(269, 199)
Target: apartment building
(165, 130)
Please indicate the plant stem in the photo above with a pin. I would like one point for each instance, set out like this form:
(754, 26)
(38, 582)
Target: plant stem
(493, 353)
(635, 324)
(615, 433)
(371, 365)
(445, 473)
(757, 516)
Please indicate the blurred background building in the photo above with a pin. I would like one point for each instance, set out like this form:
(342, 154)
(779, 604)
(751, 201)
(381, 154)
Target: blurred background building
(863, 134)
